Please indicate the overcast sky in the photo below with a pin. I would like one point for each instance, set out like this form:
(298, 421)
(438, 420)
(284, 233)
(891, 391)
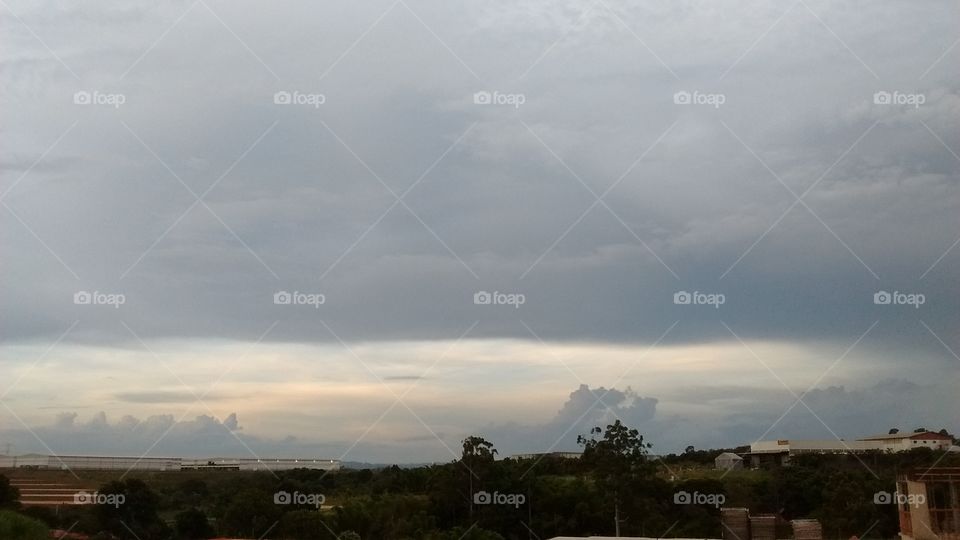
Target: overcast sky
(170, 171)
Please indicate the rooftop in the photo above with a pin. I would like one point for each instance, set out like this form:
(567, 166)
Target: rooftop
(907, 435)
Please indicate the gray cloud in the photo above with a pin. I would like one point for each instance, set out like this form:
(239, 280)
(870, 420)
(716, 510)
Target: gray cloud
(500, 198)
(837, 412)
(584, 409)
(163, 397)
(844, 412)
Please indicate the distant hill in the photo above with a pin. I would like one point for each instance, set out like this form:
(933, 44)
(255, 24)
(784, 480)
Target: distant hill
(358, 465)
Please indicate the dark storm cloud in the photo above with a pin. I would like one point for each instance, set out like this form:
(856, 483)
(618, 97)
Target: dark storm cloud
(303, 203)
(798, 199)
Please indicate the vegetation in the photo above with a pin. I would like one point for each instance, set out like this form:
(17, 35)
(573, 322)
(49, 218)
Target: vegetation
(192, 524)
(9, 495)
(617, 486)
(13, 525)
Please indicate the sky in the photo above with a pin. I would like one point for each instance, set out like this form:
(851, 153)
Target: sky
(367, 230)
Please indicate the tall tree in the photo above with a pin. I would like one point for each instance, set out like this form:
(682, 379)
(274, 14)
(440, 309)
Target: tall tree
(9, 495)
(133, 511)
(478, 456)
(192, 524)
(618, 459)
(251, 513)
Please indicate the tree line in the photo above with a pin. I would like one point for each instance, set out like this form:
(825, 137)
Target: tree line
(615, 488)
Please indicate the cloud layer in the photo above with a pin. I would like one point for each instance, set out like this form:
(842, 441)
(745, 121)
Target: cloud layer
(153, 156)
(756, 414)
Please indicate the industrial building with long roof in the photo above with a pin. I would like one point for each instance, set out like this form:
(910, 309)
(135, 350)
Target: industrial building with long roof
(143, 463)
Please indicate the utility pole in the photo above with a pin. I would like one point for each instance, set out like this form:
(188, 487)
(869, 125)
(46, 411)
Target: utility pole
(616, 517)
(529, 514)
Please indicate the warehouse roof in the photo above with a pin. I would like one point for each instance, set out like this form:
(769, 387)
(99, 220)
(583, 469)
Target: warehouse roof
(915, 435)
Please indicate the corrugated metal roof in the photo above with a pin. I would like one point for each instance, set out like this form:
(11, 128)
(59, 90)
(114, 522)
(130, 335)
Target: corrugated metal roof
(901, 435)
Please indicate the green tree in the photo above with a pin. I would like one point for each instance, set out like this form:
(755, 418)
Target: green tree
(192, 493)
(618, 460)
(251, 512)
(192, 524)
(477, 457)
(130, 510)
(9, 495)
(847, 507)
(13, 525)
(304, 525)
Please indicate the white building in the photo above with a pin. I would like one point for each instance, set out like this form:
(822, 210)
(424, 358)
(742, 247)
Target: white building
(564, 455)
(898, 442)
(256, 464)
(781, 450)
(127, 463)
(727, 461)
